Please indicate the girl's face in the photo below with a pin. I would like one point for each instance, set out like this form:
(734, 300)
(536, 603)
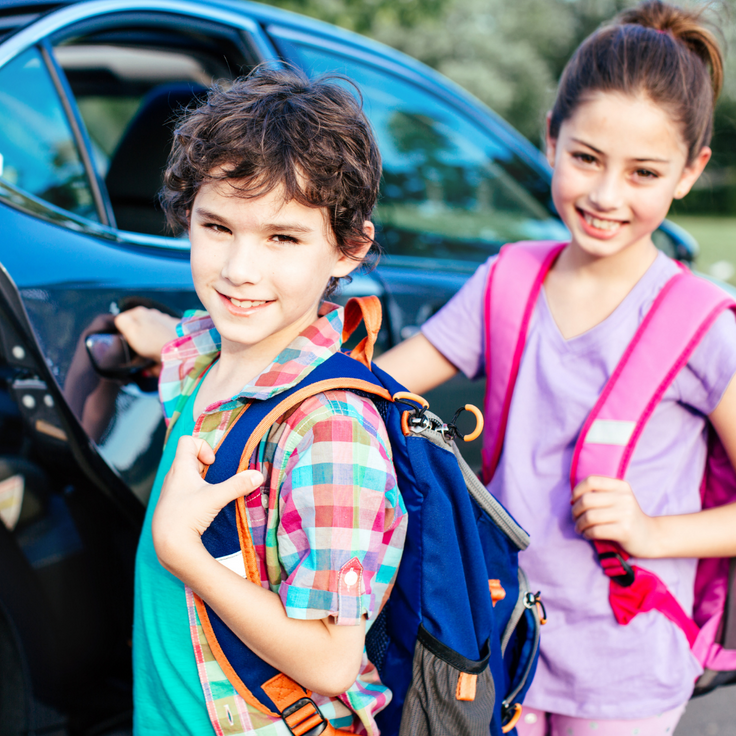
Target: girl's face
(260, 266)
(618, 162)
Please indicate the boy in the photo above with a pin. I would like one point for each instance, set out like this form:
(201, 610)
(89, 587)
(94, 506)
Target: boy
(275, 179)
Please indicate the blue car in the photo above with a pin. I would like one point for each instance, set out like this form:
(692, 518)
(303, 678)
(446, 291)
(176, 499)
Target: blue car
(89, 92)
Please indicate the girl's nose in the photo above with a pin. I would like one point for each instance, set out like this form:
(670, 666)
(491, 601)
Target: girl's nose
(606, 195)
(242, 264)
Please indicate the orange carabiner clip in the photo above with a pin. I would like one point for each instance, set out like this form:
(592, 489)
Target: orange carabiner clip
(514, 719)
(475, 411)
(408, 396)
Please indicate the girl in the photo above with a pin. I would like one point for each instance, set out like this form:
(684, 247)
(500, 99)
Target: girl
(628, 133)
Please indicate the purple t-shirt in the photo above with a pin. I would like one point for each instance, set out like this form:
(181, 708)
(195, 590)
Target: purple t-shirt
(590, 666)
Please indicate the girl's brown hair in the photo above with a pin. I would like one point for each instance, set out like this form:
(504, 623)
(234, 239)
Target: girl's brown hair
(658, 50)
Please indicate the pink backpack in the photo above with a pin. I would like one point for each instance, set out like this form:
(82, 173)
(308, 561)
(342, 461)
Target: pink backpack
(680, 316)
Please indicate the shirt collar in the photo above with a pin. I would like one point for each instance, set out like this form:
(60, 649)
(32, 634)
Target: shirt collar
(198, 345)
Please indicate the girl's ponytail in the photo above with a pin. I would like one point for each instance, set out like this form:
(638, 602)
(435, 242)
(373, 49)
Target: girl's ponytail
(655, 49)
(683, 25)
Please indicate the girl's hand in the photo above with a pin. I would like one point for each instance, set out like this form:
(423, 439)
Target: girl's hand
(606, 509)
(188, 505)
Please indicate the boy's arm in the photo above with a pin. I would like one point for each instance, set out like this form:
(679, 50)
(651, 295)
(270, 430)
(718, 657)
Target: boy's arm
(605, 508)
(417, 364)
(318, 654)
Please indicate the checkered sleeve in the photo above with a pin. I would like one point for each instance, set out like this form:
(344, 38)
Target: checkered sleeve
(342, 521)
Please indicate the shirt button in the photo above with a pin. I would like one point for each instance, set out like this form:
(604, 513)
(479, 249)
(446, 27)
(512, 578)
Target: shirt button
(351, 577)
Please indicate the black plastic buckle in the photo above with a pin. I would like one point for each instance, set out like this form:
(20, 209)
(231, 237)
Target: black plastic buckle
(294, 708)
(628, 577)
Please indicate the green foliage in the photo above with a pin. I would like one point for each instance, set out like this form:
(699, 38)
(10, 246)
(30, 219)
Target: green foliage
(510, 54)
(362, 15)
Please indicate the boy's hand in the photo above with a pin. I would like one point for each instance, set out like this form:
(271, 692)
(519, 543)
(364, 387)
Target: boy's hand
(188, 504)
(146, 330)
(606, 508)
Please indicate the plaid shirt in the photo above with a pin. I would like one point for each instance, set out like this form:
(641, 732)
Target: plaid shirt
(337, 509)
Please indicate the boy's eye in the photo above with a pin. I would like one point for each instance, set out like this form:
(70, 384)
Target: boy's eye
(646, 174)
(281, 238)
(215, 227)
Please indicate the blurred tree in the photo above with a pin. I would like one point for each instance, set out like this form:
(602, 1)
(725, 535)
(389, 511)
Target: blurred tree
(363, 15)
(511, 54)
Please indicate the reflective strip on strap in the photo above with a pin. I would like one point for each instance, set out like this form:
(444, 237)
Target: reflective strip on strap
(610, 432)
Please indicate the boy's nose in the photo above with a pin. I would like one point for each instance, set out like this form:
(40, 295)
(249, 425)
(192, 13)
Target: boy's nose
(242, 265)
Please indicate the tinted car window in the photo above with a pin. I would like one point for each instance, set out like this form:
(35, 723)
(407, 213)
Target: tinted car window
(451, 190)
(37, 147)
(131, 79)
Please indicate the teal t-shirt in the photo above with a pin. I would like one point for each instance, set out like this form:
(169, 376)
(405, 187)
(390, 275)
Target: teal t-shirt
(167, 692)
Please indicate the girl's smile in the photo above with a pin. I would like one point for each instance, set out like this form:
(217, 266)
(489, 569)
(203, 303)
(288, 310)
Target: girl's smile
(618, 161)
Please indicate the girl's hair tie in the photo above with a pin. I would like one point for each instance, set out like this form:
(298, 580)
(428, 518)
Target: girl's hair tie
(661, 30)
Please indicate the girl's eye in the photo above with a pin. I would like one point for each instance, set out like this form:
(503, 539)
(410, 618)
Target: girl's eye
(585, 158)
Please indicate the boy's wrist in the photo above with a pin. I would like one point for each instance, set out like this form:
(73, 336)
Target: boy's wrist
(183, 557)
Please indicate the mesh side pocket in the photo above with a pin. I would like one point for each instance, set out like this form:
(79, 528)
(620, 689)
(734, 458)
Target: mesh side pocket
(432, 704)
(376, 641)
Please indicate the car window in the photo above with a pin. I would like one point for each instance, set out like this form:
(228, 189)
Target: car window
(450, 188)
(38, 153)
(130, 80)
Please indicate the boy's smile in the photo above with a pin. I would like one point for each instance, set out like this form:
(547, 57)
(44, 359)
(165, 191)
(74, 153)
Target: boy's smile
(260, 267)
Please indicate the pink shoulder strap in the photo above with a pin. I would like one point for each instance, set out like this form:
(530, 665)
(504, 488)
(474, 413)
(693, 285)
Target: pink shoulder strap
(511, 293)
(682, 313)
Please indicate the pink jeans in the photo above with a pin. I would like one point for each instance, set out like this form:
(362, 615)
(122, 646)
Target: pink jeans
(537, 723)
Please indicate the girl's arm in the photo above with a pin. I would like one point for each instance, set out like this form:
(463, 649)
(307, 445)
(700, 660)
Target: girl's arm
(417, 364)
(318, 654)
(605, 508)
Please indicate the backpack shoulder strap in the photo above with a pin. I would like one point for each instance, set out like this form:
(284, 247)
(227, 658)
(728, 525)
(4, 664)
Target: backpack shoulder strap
(683, 311)
(512, 288)
(257, 682)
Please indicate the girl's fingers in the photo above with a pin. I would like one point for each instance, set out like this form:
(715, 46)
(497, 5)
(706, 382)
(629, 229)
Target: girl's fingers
(591, 500)
(599, 484)
(608, 532)
(595, 517)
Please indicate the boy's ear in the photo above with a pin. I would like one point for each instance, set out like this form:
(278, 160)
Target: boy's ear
(551, 143)
(348, 263)
(692, 172)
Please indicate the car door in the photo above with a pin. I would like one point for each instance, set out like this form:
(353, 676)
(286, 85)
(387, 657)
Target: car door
(456, 187)
(89, 95)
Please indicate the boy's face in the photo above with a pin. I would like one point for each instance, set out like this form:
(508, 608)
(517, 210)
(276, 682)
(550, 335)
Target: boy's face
(260, 266)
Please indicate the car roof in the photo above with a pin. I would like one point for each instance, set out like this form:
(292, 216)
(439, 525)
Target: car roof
(16, 14)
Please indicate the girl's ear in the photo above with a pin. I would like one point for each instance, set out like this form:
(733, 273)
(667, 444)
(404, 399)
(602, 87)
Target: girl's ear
(692, 172)
(348, 263)
(551, 143)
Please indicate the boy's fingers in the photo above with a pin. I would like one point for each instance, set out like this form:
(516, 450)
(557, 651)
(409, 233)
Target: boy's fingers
(239, 485)
(194, 453)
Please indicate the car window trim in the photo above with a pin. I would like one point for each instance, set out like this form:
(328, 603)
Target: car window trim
(79, 133)
(31, 205)
(66, 16)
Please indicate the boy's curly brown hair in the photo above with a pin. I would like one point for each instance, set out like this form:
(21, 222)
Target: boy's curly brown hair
(278, 127)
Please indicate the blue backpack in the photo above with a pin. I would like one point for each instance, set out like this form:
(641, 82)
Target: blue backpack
(458, 640)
